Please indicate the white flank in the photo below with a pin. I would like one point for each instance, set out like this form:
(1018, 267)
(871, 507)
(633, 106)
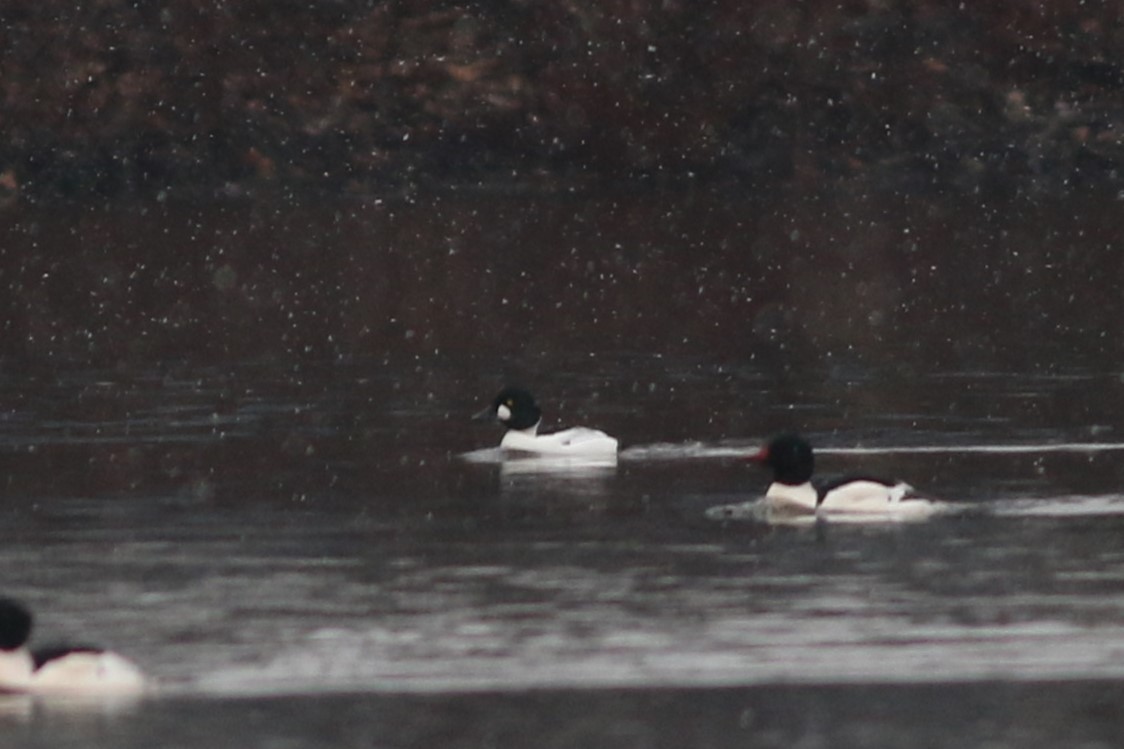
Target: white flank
(88, 673)
(576, 441)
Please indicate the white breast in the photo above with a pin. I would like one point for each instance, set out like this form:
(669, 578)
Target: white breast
(15, 670)
(576, 441)
(785, 498)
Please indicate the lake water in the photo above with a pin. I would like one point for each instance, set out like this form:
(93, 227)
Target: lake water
(235, 446)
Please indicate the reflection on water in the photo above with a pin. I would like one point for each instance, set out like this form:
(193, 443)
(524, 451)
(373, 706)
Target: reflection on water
(577, 466)
(526, 472)
(302, 507)
(21, 709)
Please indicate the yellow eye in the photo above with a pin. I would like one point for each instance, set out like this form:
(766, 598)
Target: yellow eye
(510, 403)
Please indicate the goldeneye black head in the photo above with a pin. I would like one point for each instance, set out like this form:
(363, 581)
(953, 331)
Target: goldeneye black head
(514, 407)
(15, 625)
(790, 457)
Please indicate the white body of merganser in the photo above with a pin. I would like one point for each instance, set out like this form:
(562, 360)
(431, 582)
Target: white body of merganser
(78, 670)
(516, 409)
(794, 491)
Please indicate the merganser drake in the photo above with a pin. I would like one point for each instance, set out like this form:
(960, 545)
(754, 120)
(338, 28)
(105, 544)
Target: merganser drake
(70, 670)
(795, 492)
(515, 408)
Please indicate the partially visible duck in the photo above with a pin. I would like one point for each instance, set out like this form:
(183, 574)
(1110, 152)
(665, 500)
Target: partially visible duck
(795, 491)
(515, 409)
(69, 669)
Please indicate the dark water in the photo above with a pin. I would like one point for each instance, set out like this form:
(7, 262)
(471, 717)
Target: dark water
(996, 714)
(240, 461)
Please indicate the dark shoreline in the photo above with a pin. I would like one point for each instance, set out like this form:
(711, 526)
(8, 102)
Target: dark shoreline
(108, 99)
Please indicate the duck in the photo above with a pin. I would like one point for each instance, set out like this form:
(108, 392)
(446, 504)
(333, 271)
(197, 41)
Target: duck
(64, 669)
(515, 408)
(794, 490)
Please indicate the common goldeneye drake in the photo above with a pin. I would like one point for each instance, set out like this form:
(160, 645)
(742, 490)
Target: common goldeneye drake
(72, 669)
(515, 408)
(794, 491)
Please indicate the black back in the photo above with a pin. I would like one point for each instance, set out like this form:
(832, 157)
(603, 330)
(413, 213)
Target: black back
(49, 653)
(825, 485)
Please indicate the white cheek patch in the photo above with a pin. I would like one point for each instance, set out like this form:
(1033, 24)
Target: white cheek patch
(503, 413)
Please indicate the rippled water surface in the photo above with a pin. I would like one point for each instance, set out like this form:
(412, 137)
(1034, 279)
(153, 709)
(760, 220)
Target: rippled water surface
(318, 548)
